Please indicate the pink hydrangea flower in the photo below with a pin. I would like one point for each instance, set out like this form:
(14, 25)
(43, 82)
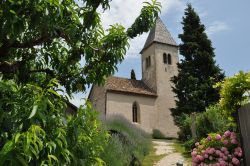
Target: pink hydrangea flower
(235, 161)
(234, 141)
(194, 153)
(227, 133)
(218, 137)
(223, 149)
(225, 142)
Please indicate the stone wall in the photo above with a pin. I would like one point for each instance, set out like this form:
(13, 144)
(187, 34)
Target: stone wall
(166, 97)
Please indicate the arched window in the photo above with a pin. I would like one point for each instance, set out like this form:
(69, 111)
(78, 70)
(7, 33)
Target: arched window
(169, 59)
(135, 113)
(165, 58)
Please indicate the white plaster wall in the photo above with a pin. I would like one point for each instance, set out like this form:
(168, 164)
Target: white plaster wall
(122, 104)
(97, 98)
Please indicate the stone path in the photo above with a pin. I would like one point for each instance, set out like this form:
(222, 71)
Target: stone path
(172, 157)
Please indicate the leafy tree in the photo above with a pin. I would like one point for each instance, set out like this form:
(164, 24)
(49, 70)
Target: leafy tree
(41, 40)
(132, 75)
(234, 93)
(198, 72)
(35, 131)
(45, 45)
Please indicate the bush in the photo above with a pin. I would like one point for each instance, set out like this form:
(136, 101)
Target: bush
(185, 127)
(210, 121)
(157, 134)
(128, 140)
(217, 150)
(116, 153)
(234, 93)
(35, 131)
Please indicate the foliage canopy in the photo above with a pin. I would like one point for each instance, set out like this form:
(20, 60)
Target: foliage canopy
(41, 40)
(234, 93)
(198, 72)
(51, 43)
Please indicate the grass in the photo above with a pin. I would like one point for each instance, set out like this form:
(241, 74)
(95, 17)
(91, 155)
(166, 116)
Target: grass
(152, 158)
(179, 147)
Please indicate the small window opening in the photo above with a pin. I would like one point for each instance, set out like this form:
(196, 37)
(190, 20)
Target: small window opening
(165, 58)
(169, 59)
(135, 112)
(148, 62)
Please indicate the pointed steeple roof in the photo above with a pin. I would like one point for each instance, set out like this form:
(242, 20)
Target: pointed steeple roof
(159, 34)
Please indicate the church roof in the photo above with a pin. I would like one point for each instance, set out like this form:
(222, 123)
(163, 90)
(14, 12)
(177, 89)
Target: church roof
(159, 34)
(124, 85)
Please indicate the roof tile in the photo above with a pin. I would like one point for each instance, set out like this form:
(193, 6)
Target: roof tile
(128, 85)
(159, 33)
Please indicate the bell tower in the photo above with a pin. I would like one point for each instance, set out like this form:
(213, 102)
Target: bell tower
(159, 58)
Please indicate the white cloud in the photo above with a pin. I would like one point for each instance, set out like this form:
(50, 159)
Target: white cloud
(216, 27)
(125, 12)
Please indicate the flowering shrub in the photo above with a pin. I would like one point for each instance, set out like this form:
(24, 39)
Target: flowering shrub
(217, 150)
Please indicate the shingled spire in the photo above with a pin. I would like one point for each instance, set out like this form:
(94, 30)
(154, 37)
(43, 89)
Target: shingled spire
(159, 34)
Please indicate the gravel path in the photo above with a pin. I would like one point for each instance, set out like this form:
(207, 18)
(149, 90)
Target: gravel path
(172, 157)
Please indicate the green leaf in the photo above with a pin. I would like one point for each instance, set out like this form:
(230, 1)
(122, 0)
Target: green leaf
(22, 160)
(17, 137)
(33, 112)
(12, 11)
(6, 149)
(54, 92)
(52, 157)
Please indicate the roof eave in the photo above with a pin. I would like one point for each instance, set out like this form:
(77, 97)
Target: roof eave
(134, 93)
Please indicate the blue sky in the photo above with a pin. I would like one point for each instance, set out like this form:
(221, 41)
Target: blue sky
(226, 23)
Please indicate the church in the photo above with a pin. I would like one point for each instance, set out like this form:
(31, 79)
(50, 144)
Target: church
(146, 102)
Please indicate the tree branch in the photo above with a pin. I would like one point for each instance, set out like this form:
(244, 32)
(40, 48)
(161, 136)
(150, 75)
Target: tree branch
(47, 71)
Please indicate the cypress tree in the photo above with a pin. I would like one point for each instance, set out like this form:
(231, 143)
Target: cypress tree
(132, 75)
(198, 71)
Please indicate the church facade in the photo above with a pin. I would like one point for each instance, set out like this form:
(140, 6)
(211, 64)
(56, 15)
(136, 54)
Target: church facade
(145, 102)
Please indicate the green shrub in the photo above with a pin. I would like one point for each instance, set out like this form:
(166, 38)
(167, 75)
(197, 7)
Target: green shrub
(212, 120)
(157, 134)
(35, 131)
(234, 93)
(132, 140)
(185, 127)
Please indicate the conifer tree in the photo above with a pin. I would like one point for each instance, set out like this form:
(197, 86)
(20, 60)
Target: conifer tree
(198, 71)
(132, 75)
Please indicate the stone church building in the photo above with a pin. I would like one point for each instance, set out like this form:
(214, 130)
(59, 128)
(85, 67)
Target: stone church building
(145, 102)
